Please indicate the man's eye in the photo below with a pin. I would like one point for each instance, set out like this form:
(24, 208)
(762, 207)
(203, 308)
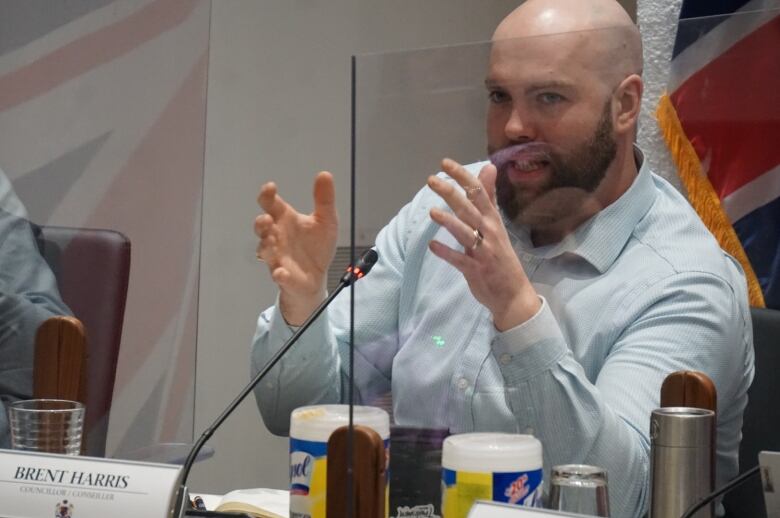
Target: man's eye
(497, 96)
(550, 98)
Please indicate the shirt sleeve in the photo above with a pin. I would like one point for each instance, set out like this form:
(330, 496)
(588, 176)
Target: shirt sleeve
(28, 296)
(688, 321)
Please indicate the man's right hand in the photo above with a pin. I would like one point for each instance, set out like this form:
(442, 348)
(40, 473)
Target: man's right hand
(298, 248)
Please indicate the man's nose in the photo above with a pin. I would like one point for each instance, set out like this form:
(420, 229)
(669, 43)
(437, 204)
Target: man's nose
(519, 128)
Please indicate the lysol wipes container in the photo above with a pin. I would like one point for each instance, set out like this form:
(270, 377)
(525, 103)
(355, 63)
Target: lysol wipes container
(490, 466)
(310, 428)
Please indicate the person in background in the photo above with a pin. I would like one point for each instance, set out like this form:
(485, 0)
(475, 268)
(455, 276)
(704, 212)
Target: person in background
(563, 279)
(28, 296)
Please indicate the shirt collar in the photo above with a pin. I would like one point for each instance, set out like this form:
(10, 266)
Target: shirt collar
(600, 239)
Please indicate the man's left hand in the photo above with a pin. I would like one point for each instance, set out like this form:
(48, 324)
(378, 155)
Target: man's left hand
(488, 262)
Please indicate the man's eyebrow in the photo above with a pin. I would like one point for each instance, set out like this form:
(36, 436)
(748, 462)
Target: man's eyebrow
(531, 87)
(491, 82)
(549, 85)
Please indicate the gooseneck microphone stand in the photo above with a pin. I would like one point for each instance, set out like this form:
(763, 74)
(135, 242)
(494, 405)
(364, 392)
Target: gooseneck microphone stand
(725, 489)
(353, 273)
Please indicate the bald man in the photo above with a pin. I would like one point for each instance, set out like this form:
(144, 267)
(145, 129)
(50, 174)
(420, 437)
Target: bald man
(547, 291)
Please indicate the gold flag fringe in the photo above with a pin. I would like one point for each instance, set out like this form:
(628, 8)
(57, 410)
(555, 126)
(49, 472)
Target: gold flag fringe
(702, 195)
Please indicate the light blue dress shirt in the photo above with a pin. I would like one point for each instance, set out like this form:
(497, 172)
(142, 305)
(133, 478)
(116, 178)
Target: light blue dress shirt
(640, 290)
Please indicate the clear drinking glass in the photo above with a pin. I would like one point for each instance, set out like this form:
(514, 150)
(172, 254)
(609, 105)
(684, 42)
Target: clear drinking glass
(579, 488)
(47, 425)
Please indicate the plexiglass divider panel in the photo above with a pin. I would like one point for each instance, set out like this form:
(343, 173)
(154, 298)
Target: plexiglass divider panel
(576, 216)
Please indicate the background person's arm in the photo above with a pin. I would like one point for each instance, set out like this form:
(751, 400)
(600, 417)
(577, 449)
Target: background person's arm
(28, 296)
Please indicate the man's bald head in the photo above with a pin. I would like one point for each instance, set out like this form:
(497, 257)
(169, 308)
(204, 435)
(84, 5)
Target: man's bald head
(618, 48)
(563, 76)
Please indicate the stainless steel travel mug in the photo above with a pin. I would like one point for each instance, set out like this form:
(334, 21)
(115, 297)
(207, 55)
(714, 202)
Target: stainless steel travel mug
(682, 470)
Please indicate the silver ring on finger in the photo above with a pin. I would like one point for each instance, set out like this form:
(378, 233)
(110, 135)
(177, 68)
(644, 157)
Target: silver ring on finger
(478, 237)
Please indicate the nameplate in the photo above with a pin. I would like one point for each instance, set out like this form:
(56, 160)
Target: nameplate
(38, 484)
(482, 509)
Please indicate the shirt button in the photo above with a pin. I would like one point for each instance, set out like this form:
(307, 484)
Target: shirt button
(463, 383)
(505, 359)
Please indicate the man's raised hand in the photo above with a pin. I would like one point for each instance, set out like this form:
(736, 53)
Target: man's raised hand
(298, 248)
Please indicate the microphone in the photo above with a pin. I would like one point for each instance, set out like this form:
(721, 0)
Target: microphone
(361, 268)
(354, 272)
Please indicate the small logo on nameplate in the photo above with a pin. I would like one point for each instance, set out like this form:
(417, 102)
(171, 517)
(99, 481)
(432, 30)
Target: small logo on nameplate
(63, 509)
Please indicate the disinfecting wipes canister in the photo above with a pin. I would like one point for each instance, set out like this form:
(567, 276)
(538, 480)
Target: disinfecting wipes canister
(310, 428)
(490, 466)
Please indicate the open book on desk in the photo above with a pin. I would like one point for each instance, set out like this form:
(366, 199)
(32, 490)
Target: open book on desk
(258, 502)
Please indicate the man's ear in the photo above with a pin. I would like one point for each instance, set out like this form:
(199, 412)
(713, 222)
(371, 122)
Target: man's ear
(626, 103)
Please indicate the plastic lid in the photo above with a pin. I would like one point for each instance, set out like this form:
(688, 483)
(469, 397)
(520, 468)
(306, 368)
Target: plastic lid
(492, 452)
(316, 423)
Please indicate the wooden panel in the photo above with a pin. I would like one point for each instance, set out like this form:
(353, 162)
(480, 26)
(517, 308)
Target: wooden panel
(689, 388)
(60, 360)
(369, 474)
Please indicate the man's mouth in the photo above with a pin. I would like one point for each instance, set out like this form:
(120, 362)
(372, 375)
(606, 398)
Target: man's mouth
(526, 169)
(522, 162)
(528, 165)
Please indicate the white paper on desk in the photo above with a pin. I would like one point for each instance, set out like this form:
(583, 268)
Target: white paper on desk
(484, 509)
(39, 484)
(270, 503)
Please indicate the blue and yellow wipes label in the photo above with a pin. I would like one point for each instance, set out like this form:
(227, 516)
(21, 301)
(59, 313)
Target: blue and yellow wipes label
(308, 478)
(308, 471)
(461, 488)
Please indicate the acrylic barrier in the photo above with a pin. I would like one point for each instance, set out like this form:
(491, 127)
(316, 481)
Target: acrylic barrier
(547, 283)
(450, 331)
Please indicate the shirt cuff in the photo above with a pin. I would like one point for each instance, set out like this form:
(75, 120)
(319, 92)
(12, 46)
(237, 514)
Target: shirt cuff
(277, 325)
(278, 332)
(531, 347)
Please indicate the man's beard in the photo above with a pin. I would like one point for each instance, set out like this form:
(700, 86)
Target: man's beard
(574, 176)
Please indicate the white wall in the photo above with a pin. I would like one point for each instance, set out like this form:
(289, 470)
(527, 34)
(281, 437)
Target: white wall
(278, 108)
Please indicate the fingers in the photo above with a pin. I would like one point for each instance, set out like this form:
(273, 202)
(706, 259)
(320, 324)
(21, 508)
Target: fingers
(280, 276)
(487, 176)
(263, 225)
(473, 211)
(270, 201)
(463, 233)
(463, 208)
(324, 196)
(460, 261)
(475, 192)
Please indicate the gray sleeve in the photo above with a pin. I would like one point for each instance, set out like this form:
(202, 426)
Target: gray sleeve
(28, 296)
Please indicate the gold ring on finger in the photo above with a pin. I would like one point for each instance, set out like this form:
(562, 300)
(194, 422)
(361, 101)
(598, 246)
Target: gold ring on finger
(478, 237)
(472, 191)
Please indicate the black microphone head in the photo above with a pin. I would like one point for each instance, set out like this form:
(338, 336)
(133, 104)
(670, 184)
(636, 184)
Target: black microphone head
(367, 260)
(363, 265)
